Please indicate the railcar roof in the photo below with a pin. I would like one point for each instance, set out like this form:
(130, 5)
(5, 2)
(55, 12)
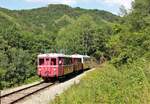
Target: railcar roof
(55, 55)
(80, 56)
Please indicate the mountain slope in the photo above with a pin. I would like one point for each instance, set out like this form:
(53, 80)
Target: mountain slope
(44, 18)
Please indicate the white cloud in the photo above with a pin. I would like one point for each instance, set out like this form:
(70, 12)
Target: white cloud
(125, 3)
(69, 2)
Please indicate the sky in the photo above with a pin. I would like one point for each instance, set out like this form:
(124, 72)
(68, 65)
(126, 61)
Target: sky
(108, 5)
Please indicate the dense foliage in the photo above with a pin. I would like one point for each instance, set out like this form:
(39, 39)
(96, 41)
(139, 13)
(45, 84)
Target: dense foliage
(133, 41)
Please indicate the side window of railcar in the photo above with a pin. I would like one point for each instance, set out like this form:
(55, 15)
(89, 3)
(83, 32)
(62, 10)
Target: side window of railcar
(41, 61)
(75, 60)
(53, 61)
(79, 60)
(67, 61)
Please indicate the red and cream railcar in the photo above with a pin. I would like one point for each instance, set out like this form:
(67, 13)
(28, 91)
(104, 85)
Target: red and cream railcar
(77, 63)
(54, 65)
(84, 61)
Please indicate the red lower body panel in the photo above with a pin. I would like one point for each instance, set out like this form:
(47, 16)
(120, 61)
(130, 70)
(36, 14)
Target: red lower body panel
(48, 71)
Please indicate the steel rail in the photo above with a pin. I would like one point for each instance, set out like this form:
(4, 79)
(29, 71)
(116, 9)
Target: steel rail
(20, 90)
(34, 89)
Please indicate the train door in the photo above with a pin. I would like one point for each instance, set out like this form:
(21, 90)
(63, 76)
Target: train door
(53, 66)
(47, 67)
(60, 64)
(74, 64)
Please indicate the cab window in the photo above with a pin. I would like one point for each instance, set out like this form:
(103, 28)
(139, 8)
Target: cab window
(47, 61)
(41, 61)
(53, 61)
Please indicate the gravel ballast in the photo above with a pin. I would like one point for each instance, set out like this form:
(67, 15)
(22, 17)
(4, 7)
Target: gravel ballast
(3, 92)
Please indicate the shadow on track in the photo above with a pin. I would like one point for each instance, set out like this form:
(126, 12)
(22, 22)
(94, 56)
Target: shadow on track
(71, 75)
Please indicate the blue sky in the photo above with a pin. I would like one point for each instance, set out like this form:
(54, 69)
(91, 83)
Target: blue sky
(109, 5)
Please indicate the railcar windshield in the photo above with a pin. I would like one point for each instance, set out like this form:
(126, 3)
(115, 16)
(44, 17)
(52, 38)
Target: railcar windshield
(47, 61)
(53, 61)
(41, 61)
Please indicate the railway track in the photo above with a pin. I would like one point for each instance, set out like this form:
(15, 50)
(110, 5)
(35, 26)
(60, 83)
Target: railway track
(16, 96)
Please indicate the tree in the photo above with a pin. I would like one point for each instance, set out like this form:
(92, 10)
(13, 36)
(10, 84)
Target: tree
(78, 36)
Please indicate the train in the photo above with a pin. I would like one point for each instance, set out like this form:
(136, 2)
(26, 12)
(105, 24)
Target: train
(55, 65)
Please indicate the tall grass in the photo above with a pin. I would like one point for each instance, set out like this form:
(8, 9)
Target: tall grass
(128, 84)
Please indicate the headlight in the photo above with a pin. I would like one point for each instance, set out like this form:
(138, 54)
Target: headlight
(40, 69)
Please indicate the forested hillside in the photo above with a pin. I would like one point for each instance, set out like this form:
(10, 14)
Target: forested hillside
(55, 28)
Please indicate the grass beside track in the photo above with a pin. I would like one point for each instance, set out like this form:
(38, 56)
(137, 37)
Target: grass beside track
(128, 84)
(27, 81)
